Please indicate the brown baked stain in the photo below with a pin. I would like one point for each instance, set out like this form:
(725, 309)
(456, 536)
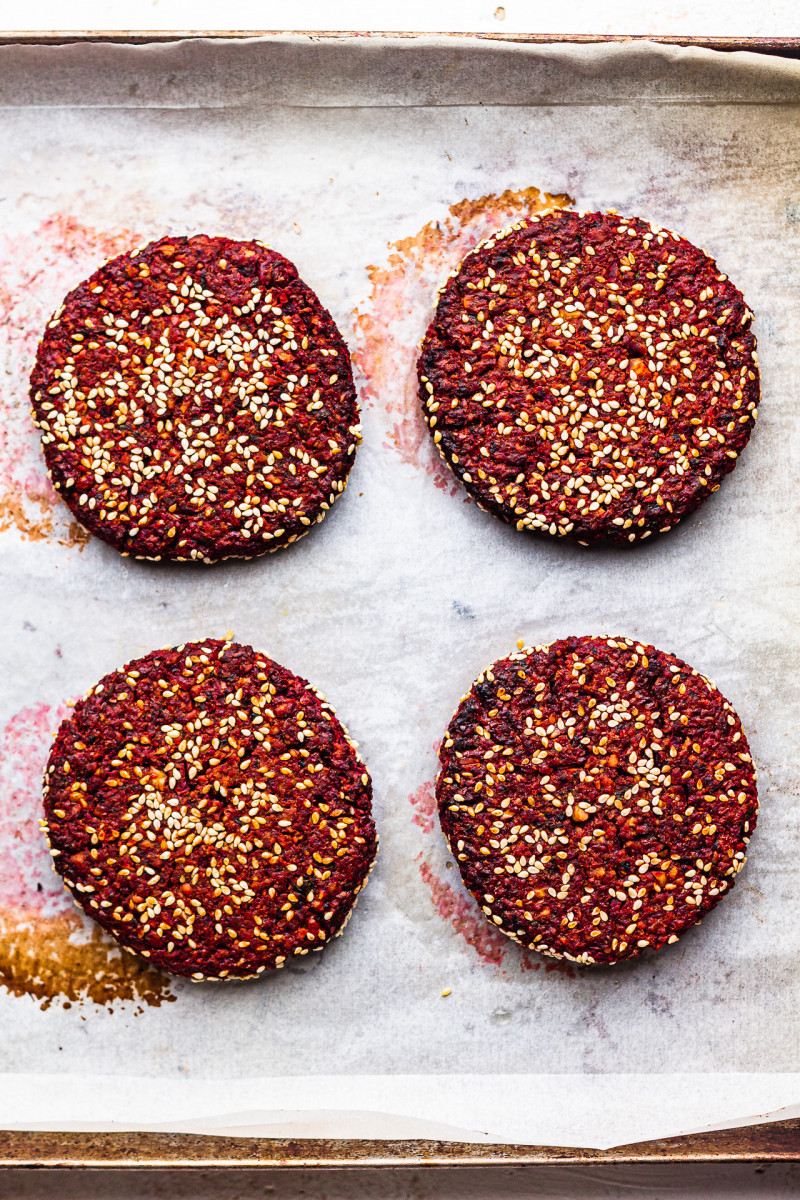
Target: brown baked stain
(390, 324)
(15, 513)
(76, 535)
(48, 950)
(18, 511)
(36, 273)
(50, 959)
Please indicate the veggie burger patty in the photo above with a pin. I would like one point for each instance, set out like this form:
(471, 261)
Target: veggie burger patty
(207, 808)
(195, 401)
(598, 796)
(589, 375)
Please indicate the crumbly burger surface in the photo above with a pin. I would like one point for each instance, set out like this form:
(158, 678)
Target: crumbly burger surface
(598, 796)
(589, 375)
(195, 401)
(207, 808)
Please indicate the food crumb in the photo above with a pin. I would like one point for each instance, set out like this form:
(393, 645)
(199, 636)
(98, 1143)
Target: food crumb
(446, 992)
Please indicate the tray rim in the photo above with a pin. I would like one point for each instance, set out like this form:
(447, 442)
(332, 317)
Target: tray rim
(775, 1141)
(788, 47)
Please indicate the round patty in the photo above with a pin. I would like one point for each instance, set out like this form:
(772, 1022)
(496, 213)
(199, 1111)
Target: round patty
(589, 375)
(206, 807)
(598, 796)
(196, 401)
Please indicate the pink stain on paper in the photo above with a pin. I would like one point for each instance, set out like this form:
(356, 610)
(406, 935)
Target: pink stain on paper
(459, 909)
(27, 881)
(453, 904)
(455, 907)
(36, 273)
(423, 801)
(460, 913)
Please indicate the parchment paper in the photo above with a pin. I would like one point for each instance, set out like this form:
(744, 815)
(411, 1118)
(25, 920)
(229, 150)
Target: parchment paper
(374, 165)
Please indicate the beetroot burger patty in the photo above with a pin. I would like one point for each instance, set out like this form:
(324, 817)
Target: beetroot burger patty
(589, 375)
(598, 796)
(195, 400)
(207, 808)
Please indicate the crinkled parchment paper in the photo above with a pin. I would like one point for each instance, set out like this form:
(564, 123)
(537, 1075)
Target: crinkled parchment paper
(374, 165)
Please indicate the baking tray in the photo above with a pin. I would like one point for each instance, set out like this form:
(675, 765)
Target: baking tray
(772, 1141)
(785, 47)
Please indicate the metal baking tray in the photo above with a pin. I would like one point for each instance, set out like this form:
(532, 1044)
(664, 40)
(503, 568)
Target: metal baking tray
(771, 1142)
